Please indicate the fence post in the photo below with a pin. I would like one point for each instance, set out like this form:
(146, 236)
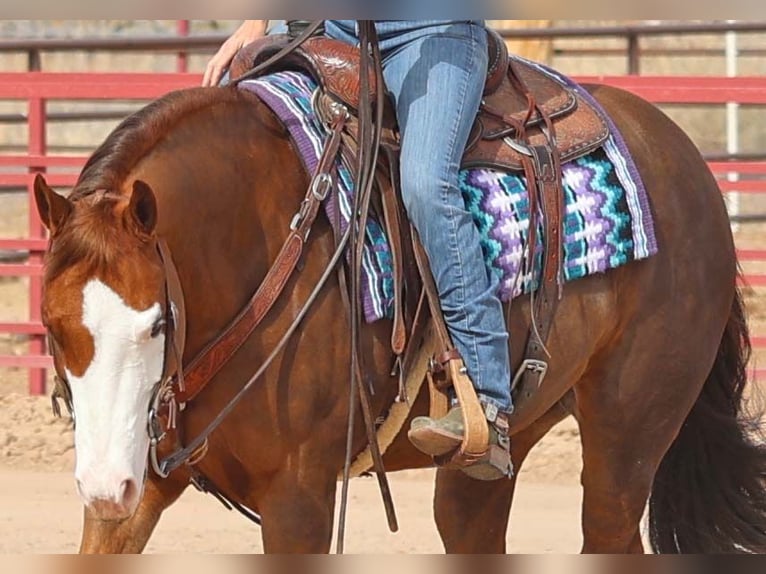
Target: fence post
(182, 61)
(34, 61)
(36, 146)
(634, 54)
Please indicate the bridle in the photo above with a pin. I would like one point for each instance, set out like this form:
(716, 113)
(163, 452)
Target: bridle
(169, 393)
(163, 394)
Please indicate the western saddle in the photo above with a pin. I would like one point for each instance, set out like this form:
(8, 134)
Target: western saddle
(529, 122)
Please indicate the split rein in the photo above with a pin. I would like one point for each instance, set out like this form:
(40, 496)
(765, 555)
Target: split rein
(171, 393)
(370, 123)
(270, 289)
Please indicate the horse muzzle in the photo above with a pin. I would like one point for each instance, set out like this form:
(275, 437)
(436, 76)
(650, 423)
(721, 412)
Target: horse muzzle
(111, 504)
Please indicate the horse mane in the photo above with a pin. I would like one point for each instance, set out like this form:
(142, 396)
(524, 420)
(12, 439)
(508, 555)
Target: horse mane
(90, 235)
(137, 135)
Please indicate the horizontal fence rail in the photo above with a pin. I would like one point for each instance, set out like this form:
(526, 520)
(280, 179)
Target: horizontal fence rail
(183, 44)
(18, 170)
(633, 34)
(689, 89)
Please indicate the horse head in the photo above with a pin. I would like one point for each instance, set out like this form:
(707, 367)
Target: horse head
(104, 306)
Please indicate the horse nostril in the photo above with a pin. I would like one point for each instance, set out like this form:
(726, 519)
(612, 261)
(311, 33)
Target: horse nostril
(128, 492)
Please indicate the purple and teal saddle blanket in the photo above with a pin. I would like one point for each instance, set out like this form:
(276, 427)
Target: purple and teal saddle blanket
(607, 221)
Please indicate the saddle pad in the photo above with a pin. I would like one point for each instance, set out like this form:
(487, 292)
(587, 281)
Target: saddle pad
(607, 222)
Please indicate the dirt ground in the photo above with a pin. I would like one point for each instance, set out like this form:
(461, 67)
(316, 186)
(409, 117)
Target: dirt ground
(40, 511)
(41, 514)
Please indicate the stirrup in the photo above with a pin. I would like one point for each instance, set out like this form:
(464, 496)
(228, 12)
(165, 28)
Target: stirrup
(496, 464)
(448, 370)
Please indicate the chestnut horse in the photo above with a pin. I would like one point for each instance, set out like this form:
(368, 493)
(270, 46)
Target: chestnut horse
(649, 358)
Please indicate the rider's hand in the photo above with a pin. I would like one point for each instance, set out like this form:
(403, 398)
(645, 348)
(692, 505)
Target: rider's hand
(249, 31)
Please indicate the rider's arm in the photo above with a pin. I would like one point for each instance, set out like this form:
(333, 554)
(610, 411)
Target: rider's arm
(249, 31)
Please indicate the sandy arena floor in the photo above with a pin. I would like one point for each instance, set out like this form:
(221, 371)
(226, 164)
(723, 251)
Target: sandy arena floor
(41, 514)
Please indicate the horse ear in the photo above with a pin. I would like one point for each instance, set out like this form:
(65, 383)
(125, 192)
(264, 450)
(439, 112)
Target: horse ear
(52, 207)
(143, 207)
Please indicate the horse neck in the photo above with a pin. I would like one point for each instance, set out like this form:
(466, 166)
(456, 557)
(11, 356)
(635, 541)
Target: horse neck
(226, 186)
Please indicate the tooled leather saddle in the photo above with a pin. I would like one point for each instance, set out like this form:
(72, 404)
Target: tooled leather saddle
(505, 110)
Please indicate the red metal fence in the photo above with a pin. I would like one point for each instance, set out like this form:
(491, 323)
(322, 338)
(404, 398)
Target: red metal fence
(38, 88)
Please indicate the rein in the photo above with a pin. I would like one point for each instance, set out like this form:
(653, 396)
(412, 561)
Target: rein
(177, 385)
(180, 456)
(369, 136)
(209, 361)
(290, 47)
(203, 368)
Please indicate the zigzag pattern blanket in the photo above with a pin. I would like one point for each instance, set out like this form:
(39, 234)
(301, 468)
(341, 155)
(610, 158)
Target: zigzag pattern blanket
(607, 223)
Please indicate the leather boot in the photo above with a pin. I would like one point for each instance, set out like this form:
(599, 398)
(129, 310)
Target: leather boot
(436, 437)
(439, 437)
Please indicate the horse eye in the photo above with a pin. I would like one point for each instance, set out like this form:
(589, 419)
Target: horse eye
(158, 327)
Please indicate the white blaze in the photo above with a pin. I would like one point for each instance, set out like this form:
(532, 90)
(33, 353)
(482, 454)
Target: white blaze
(111, 399)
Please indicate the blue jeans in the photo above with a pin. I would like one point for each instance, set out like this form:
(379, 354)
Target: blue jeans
(435, 72)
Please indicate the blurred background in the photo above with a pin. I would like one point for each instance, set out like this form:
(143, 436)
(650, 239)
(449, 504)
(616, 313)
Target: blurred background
(616, 47)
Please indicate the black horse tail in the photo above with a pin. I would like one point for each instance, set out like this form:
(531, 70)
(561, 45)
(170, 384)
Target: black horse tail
(709, 494)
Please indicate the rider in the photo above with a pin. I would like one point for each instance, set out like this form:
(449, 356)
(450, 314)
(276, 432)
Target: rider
(435, 71)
